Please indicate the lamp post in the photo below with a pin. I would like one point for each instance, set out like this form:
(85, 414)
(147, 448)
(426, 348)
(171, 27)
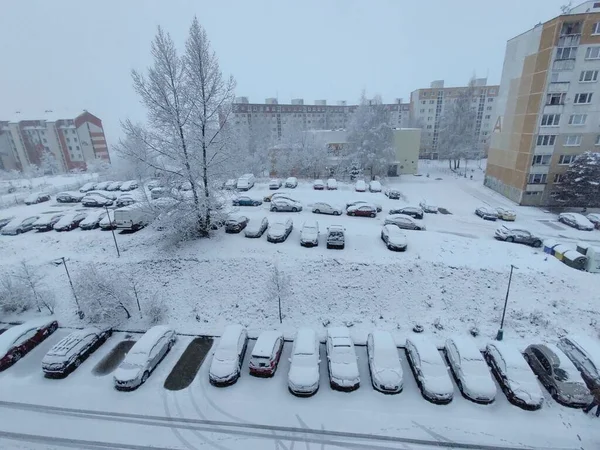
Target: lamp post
(112, 229)
(500, 334)
(79, 311)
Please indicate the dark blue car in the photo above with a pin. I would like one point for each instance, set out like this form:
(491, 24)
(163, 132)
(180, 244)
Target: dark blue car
(246, 201)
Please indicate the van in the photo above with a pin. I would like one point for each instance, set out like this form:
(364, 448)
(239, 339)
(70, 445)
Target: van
(246, 182)
(131, 218)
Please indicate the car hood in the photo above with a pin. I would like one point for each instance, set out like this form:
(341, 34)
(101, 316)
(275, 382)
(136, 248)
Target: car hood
(303, 376)
(479, 385)
(223, 369)
(309, 234)
(277, 231)
(122, 374)
(387, 376)
(526, 388)
(344, 371)
(437, 380)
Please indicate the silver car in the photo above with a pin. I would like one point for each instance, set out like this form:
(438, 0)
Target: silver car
(256, 228)
(384, 362)
(283, 205)
(341, 358)
(326, 208)
(403, 221)
(309, 234)
(279, 230)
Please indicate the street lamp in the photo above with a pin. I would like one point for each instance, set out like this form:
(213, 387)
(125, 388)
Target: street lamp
(112, 229)
(500, 334)
(63, 261)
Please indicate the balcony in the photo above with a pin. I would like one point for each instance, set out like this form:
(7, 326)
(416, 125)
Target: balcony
(563, 64)
(569, 40)
(557, 87)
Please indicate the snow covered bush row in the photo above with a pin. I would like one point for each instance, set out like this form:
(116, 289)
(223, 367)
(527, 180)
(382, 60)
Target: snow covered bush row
(23, 288)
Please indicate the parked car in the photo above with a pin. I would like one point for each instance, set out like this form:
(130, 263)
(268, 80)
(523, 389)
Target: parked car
(46, 222)
(341, 360)
(18, 226)
(514, 375)
(246, 182)
(428, 207)
(230, 184)
(364, 210)
(393, 238)
(558, 374)
(332, 184)
(318, 185)
(69, 197)
(185, 186)
(335, 236)
(266, 353)
(256, 228)
(279, 230)
(114, 186)
(470, 370)
(153, 184)
(403, 221)
(309, 234)
(510, 234)
(226, 364)
(384, 362)
(594, 218)
(235, 224)
(413, 211)
(506, 214)
(102, 185)
(393, 194)
(584, 352)
(281, 194)
(71, 351)
(132, 218)
(244, 200)
(326, 208)
(576, 220)
(291, 182)
(129, 185)
(5, 221)
(143, 357)
(374, 186)
(486, 213)
(69, 221)
(92, 220)
(39, 197)
(158, 192)
(429, 369)
(108, 221)
(19, 340)
(360, 186)
(280, 204)
(125, 200)
(275, 184)
(303, 377)
(96, 200)
(90, 186)
(377, 206)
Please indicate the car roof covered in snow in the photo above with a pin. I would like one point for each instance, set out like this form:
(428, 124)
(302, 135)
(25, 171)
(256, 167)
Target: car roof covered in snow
(69, 343)
(305, 341)
(265, 342)
(230, 336)
(9, 336)
(383, 342)
(467, 348)
(338, 332)
(589, 345)
(427, 350)
(400, 216)
(147, 341)
(510, 354)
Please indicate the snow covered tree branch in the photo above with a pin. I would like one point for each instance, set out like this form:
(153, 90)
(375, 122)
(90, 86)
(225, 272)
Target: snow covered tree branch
(580, 184)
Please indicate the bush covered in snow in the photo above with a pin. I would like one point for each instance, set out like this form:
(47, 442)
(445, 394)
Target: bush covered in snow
(23, 288)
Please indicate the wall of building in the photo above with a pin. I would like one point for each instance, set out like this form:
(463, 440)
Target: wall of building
(407, 143)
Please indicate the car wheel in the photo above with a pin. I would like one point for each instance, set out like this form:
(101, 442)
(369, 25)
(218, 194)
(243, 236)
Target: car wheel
(510, 239)
(372, 215)
(537, 244)
(53, 327)
(171, 344)
(552, 391)
(316, 211)
(16, 356)
(351, 214)
(77, 363)
(19, 231)
(273, 209)
(460, 385)
(294, 209)
(145, 376)
(336, 213)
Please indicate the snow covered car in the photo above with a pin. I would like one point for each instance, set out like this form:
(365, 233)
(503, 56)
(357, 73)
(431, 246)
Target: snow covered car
(486, 213)
(5, 221)
(514, 375)
(159, 192)
(326, 208)
(19, 340)
(114, 186)
(279, 230)
(393, 238)
(129, 186)
(403, 221)
(281, 204)
(281, 194)
(18, 226)
(102, 185)
(226, 364)
(428, 207)
(108, 221)
(413, 211)
(69, 197)
(594, 218)
(332, 184)
(318, 185)
(71, 351)
(143, 357)
(374, 186)
(244, 200)
(558, 374)
(110, 195)
(576, 220)
(46, 222)
(39, 197)
(266, 354)
(96, 200)
(510, 234)
(275, 184)
(341, 360)
(291, 182)
(384, 362)
(506, 214)
(336, 237)
(393, 194)
(363, 210)
(360, 186)
(377, 206)
(125, 200)
(256, 228)
(90, 186)
(235, 224)
(230, 184)
(470, 370)
(303, 377)
(69, 222)
(584, 352)
(429, 369)
(309, 234)
(92, 220)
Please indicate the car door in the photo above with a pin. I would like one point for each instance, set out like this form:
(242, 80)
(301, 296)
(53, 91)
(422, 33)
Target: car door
(157, 352)
(454, 356)
(544, 368)
(25, 342)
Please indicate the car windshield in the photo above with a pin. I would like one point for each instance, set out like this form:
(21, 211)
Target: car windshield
(225, 354)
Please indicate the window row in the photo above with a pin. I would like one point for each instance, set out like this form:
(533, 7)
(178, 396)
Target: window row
(570, 140)
(552, 120)
(544, 160)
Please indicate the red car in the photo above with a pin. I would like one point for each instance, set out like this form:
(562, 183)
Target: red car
(362, 210)
(20, 339)
(266, 354)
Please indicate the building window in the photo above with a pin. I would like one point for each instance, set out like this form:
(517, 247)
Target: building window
(566, 53)
(77, 147)
(588, 76)
(487, 116)
(555, 99)
(429, 127)
(577, 119)
(533, 193)
(75, 139)
(68, 140)
(491, 99)
(550, 120)
(44, 139)
(541, 160)
(489, 108)
(558, 177)
(423, 102)
(597, 140)
(537, 178)
(596, 28)
(592, 53)
(432, 102)
(573, 140)
(70, 148)
(581, 99)
(546, 139)
(566, 159)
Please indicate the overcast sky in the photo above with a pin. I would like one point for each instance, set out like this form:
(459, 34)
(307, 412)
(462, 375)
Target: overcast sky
(73, 54)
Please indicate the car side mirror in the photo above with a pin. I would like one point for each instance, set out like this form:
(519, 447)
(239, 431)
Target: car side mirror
(290, 360)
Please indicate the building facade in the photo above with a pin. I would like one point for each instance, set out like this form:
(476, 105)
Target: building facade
(428, 106)
(51, 141)
(548, 105)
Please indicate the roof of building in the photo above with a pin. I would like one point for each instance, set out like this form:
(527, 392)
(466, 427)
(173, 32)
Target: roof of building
(50, 115)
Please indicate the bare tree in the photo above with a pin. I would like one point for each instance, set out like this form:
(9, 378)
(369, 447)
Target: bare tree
(279, 287)
(15, 296)
(34, 281)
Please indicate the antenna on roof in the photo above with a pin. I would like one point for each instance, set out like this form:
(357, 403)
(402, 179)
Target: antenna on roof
(566, 9)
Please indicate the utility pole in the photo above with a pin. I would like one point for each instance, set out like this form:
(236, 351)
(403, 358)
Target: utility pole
(79, 311)
(500, 334)
(112, 229)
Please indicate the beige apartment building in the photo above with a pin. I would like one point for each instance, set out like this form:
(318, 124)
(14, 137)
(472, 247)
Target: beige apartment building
(548, 107)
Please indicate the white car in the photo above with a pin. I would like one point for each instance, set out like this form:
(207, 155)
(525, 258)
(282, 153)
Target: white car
(303, 377)
(291, 182)
(107, 194)
(594, 218)
(470, 370)
(46, 223)
(309, 234)
(279, 230)
(69, 197)
(226, 364)
(403, 221)
(280, 204)
(374, 186)
(584, 352)
(514, 375)
(102, 185)
(341, 359)
(18, 226)
(129, 185)
(69, 221)
(88, 187)
(108, 222)
(318, 185)
(326, 208)
(143, 357)
(92, 220)
(429, 369)
(332, 184)
(96, 200)
(256, 228)
(506, 214)
(384, 362)
(576, 220)
(393, 238)
(428, 207)
(39, 197)
(360, 186)
(114, 186)
(275, 184)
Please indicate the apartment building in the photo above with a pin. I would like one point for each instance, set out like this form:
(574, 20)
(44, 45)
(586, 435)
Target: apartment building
(72, 140)
(548, 105)
(428, 106)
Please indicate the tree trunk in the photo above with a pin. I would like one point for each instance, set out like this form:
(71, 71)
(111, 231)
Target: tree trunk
(125, 309)
(450, 163)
